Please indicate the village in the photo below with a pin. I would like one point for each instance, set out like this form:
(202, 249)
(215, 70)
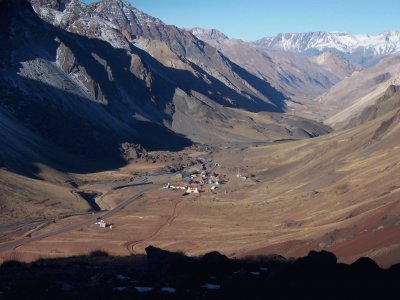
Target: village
(199, 180)
(194, 180)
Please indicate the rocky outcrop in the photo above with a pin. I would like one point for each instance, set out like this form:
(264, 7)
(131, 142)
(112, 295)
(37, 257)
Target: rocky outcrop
(132, 151)
(67, 61)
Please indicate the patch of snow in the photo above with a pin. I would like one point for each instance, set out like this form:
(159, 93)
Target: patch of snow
(210, 286)
(168, 290)
(122, 277)
(143, 289)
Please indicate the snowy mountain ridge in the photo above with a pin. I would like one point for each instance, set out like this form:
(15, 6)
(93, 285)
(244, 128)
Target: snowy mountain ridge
(385, 43)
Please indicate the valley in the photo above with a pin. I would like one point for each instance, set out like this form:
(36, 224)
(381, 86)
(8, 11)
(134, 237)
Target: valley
(193, 142)
(280, 208)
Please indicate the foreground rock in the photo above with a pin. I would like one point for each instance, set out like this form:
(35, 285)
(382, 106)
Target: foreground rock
(168, 275)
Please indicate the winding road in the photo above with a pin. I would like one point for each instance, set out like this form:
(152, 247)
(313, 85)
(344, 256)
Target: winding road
(146, 186)
(119, 207)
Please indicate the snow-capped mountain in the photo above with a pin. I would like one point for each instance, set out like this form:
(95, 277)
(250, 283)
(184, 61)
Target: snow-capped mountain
(386, 43)
(292, 73)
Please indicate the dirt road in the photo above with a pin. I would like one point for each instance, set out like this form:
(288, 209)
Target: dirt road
(91, 220)
(131, 245)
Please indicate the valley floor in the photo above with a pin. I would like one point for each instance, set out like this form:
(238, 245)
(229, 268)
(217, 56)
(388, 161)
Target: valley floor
(338, 192)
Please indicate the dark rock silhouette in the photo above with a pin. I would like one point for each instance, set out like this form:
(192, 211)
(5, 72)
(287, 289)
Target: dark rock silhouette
(162, 260)
(365, 265)
(215, 258)
(314, 259)
(212, 276)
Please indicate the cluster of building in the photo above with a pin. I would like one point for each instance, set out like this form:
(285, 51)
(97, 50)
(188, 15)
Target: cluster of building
(198, 181)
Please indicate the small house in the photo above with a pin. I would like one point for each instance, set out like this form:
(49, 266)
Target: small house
(101, 223)
(192, 190)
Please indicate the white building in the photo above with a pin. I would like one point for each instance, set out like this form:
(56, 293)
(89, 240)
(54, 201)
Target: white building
(101, 223)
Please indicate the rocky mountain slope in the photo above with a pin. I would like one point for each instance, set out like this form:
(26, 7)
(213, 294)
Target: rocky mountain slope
(326, 67)
(335, 64)
(390, 101)
(123, 26)
(348, 98)
(292, 74)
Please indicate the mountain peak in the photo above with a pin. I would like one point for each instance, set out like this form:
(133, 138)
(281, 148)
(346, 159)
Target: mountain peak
(122, 14)
(213, 34)
(120, 3)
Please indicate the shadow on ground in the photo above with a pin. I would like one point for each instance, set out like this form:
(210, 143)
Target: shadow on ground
(166, 275)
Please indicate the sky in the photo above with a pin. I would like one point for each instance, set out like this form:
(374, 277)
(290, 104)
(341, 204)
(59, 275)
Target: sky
(250, 20)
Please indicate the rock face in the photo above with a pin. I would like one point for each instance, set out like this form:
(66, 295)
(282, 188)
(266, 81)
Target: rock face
(123, 26)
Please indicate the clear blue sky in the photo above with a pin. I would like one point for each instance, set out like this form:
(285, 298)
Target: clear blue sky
(253, 19)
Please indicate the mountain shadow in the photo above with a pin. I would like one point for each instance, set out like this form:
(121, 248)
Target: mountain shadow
(72, 127)
(277, 98)
(77, 135)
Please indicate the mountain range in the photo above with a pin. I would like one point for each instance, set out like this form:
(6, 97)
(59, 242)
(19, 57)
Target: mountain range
(385, 43)
(104, 102)
(326, 75)
(293, 74)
